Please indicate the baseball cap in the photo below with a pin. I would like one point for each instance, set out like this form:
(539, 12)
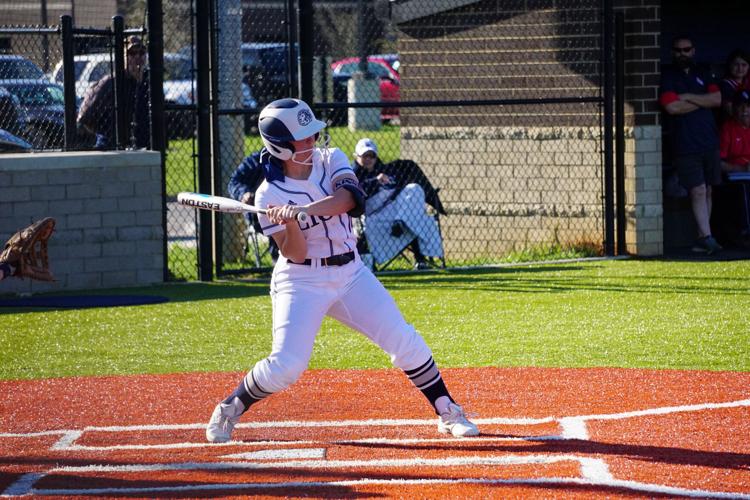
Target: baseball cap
(134, 42)
(365, 145)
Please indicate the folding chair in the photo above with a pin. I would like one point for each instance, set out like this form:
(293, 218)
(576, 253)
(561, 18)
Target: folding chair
(394, 223)
(257, 245)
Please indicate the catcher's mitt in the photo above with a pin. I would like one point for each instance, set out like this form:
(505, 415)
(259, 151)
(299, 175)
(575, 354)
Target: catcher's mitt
(27, 251)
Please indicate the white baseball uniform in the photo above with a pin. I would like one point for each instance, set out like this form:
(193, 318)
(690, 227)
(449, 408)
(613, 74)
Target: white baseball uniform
(303, 294)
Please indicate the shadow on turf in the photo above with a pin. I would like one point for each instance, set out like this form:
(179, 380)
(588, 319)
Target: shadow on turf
(298, 475)
(532, 280)
(174, 292)
(652, 454)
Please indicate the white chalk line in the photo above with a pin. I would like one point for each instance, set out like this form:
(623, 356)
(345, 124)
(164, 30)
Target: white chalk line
(391, 422)
(573, 427)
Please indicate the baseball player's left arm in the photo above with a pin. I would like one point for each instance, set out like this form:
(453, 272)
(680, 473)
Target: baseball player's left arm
(347, 197)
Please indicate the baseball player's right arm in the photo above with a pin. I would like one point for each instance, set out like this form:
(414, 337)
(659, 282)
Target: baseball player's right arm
(291, 241)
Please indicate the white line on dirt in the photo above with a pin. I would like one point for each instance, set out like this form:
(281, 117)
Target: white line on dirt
(594, 471)
(652, 489)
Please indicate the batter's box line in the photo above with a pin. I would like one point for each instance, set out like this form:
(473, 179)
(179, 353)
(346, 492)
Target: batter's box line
(572, 427)
(594, 472)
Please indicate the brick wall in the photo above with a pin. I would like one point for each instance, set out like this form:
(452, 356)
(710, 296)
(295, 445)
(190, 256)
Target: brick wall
(642, 60)
(540, 168)
(108, 209)
(502, 50)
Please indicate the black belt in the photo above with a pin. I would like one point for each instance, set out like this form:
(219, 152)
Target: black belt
(336, 260)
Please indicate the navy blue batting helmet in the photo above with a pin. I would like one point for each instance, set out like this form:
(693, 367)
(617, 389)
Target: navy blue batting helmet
(284, 121)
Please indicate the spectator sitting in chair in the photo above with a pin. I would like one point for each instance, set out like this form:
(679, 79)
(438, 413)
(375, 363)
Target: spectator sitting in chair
(734, 143)
(733, 220)
(735, 80)
(245, 180)
(395, 214)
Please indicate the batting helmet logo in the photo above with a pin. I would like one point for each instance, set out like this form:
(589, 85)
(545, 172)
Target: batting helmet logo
(304, 117)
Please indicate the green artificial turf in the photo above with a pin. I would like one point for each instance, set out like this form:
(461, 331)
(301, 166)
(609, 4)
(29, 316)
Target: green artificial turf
(620, 313)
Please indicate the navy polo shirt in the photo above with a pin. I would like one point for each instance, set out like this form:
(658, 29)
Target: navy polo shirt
(693, 132)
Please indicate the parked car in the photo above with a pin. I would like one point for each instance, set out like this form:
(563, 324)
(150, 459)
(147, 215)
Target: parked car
(389, 80)
(18, 67)
(265, 67)
(392, 59)
(43, 108)
(179, 88)
(12, 116)
(10, 143)
(87, 69)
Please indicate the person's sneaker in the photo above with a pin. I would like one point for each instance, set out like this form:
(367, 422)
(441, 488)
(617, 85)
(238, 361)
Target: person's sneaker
(454, 421)
(421, 265)
(223, 420)
(707, 244)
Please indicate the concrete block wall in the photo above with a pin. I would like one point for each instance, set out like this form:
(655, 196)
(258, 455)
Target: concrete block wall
(511, 188)
(108, 209)
(643, 191)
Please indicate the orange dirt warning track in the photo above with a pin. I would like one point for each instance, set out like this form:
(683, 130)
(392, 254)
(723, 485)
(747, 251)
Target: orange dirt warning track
(342, 434)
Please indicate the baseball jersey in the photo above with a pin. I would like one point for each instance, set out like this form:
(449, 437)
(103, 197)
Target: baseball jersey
(326, 236)
(735, 143)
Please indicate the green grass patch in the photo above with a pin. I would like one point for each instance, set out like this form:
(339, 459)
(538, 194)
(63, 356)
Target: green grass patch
(181, 175)
(622, 313)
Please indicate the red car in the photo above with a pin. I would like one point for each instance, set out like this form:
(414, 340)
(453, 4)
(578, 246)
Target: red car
(389, 79)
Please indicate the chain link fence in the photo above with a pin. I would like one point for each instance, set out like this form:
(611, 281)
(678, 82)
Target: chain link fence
(486, 118)
(31, 106)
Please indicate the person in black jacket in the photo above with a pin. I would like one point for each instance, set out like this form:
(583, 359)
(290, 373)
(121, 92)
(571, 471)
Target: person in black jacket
(245, 180)
(97, 116)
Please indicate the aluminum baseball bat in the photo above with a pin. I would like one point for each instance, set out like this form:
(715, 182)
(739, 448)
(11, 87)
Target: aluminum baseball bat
(222, 204)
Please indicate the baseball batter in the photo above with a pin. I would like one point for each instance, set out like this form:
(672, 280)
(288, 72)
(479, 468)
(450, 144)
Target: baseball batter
(319, 272)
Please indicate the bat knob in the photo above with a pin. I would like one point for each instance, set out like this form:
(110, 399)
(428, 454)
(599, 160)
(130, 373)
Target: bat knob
(302, 217)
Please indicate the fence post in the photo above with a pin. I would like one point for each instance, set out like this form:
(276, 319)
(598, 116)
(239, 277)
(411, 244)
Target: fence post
(203, 99)
(292, 89)
(69, 83)
(118, 27)
(306, 44)
(156, 101)
(622, 247)
(609, 205)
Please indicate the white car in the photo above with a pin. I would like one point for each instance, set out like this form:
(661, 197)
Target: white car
(87, 68)
(179, 86)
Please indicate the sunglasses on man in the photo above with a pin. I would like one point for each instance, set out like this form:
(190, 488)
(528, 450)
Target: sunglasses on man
(682, 50)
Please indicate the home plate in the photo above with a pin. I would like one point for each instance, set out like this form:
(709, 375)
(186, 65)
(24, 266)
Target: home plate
(283, 453)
